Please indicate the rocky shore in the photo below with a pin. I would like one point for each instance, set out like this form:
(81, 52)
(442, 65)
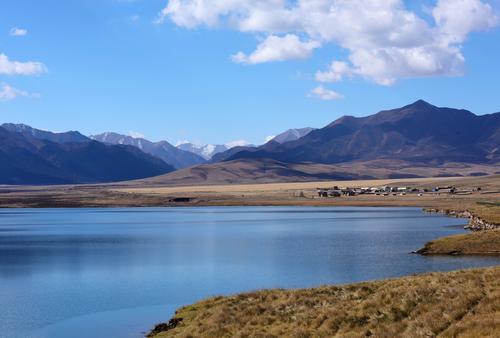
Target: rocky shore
(483, 240)
(475, 223)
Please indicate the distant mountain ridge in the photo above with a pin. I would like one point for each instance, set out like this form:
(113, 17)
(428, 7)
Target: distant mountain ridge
(419, 132)
(287, 136)
(207, 151)
(174, 156)
(70, 136)
(224, 155)
(416, 140)
(32, 156)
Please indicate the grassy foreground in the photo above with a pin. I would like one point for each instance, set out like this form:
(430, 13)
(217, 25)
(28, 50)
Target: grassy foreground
(476, 243)
(461, 303)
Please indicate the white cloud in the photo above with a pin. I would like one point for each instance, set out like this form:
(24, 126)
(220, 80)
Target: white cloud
(386, 65)
(8, 93)
(18, 31)
(135, 134)
(336, 72)
(385, 41)
(237, 143)
(269, 138)
(323, 93)
(8, 67)
(275, 48)
(457, 18)
(192, 13)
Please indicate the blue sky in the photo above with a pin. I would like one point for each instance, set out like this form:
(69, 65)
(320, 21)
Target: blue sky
(111, 65)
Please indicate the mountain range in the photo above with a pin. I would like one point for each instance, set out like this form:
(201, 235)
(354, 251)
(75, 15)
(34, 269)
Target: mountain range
(416, 140)
(286, 136)
(419, 132)
(32, 156)
(29, 132)
(174, 156)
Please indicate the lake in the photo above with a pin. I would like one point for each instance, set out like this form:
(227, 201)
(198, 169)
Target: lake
(117, 272)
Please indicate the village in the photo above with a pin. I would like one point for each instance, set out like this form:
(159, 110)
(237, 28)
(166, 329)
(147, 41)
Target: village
(337, 191)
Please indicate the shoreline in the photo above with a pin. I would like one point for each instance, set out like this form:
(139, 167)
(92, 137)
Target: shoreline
(461, 302)
(476, 223)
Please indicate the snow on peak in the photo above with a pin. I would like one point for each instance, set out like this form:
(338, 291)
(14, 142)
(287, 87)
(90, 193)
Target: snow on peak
(237, 143)
(208, 150)
(179, 143)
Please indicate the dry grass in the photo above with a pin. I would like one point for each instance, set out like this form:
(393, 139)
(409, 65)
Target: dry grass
(461, 303)
(476, 243)
(278, 187)
(487, 210)
(137, 193)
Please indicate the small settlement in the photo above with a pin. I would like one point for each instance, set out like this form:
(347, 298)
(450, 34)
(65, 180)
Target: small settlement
(337, 191)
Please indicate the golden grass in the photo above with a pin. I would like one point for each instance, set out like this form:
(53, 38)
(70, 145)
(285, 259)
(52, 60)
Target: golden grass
(487, 210)
(475, 243)
(462, 303)
(276, 187)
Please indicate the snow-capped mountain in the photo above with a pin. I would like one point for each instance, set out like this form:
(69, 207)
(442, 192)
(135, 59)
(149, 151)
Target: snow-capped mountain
(207, 151)
(162, 149)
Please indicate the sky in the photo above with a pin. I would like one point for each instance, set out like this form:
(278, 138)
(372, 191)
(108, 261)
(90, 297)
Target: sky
(220, 71)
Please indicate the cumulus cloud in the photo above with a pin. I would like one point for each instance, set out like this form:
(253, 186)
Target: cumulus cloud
(335, 72)
(457, 18)
(323, 93)
(18, 31)
(275, 48)
(8, 67)
(237, 143)
(385, 41)
(8, 93)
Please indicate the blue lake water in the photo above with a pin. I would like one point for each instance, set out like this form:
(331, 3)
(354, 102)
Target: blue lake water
(116, 272)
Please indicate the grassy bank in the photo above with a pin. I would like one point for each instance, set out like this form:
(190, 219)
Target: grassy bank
(460, 303)
(487, 210)
(476, 243)
(483, 242)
